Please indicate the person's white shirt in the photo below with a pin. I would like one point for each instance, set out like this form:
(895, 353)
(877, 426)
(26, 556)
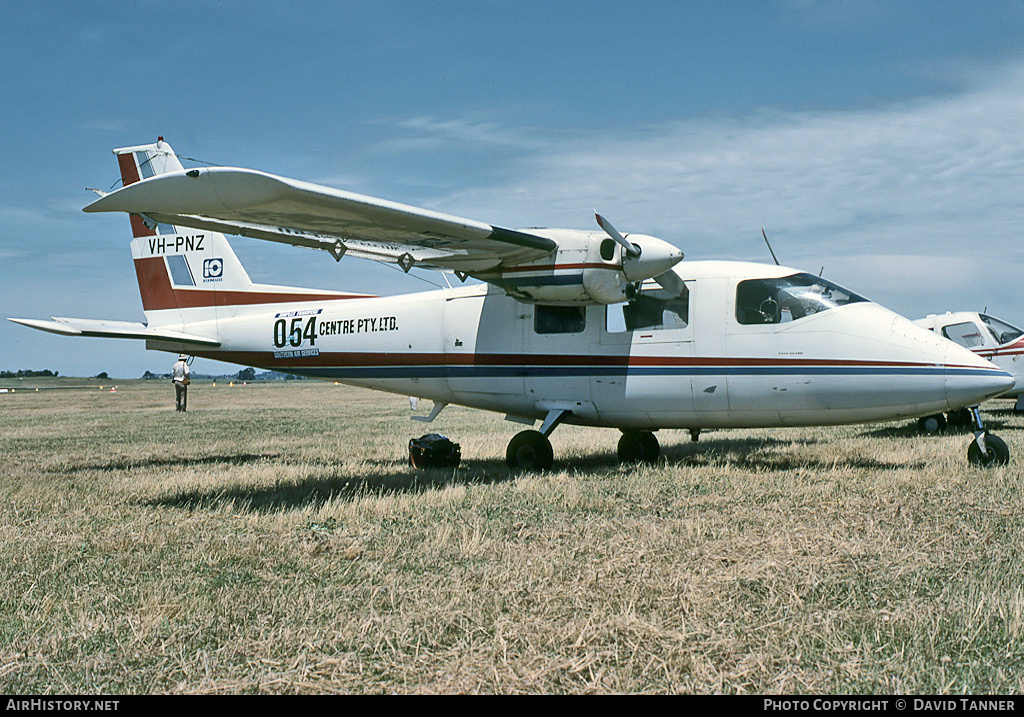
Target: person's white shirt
(179, 371)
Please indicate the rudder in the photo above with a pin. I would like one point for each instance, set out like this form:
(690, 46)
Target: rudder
(142, 162)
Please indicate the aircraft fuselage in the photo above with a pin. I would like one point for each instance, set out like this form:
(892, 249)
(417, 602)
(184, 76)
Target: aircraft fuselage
(697, 361)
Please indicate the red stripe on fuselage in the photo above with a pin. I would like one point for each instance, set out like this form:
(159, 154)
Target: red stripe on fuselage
(1011, 349)
(158, 293)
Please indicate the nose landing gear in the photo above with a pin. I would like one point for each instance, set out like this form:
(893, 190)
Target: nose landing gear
(986, 449)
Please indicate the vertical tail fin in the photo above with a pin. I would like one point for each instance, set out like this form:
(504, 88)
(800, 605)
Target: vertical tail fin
(142, 162)
(177, 270)
(191, 275)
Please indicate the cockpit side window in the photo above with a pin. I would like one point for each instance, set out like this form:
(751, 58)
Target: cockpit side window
(790, 298)
(654, 309)
(1001, 331)
(966, 334)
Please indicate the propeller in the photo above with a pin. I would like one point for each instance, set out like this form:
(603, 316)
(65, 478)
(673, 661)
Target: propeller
(647, 258)
(631, 249)
(671, 283)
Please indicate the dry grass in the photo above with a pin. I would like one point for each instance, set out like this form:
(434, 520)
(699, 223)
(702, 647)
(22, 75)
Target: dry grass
(275, 540)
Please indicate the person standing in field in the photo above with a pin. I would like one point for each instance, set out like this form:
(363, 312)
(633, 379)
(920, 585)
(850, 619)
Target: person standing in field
(180, 378)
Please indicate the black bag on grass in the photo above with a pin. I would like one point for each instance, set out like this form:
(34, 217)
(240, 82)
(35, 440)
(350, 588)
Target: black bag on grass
(433, 451)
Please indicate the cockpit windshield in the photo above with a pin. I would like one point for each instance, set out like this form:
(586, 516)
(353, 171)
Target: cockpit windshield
(1003, 332)
(790, 298)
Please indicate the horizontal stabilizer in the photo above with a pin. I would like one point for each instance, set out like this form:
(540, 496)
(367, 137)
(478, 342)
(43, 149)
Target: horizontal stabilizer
(113, 330)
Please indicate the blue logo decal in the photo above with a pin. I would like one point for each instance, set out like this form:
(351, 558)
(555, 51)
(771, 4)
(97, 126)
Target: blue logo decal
(213, 268)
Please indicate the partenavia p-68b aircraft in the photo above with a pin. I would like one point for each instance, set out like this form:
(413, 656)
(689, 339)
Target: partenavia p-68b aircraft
(582, 327)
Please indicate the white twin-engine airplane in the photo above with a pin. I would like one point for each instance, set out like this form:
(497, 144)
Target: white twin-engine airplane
(579, 327)
(991, 338)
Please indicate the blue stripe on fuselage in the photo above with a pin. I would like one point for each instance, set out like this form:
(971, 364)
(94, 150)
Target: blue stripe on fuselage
(512, 371)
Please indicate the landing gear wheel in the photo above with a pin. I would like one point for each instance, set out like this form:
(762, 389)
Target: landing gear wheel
(932, 424)
(638, 446)
(995, 454)
(529, 451)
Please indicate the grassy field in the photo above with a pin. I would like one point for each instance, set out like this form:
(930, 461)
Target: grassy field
(275, 540)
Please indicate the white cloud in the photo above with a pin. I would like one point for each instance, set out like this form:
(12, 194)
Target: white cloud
(948, 158)
(929, 183)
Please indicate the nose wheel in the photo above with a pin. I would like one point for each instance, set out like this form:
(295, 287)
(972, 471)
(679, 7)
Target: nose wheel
(986, 450)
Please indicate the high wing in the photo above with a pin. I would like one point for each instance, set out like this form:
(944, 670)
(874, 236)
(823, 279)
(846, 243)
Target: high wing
(264, 206)
(115, 330)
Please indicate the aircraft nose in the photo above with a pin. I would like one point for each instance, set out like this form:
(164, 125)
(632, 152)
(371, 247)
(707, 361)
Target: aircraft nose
(971, 379)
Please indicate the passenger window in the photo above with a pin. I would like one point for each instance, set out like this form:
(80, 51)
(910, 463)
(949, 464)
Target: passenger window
(559, 319)
(653, 310)
(965, 334)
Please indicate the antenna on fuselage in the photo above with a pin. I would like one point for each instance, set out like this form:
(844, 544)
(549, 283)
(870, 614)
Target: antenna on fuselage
(769, 246)
(773, 253)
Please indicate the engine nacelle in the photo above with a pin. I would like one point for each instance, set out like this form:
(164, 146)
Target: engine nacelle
(587, 268)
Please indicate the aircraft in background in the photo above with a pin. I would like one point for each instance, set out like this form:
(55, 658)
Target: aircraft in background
(581, 327)
(994, 339)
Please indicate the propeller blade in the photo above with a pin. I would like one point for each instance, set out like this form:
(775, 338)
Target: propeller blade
(671, 283)
(614, 234)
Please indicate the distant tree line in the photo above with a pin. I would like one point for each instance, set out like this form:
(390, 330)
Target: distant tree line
(246, 374)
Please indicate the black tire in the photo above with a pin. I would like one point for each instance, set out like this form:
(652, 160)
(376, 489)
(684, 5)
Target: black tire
(637, 446)
(529, 451)
(996, 453)
(651, 448)
(932, 424)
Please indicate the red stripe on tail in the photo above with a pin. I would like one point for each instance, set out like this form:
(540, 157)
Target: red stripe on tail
(130, 175)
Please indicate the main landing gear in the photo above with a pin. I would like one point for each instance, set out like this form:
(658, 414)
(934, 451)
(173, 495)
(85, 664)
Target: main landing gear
(638, 447)
(531, 450)
(961, 419)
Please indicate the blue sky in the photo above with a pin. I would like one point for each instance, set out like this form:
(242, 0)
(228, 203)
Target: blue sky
(883, 141)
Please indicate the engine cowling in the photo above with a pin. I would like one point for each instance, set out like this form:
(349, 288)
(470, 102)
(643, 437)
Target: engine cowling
(587, 268)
